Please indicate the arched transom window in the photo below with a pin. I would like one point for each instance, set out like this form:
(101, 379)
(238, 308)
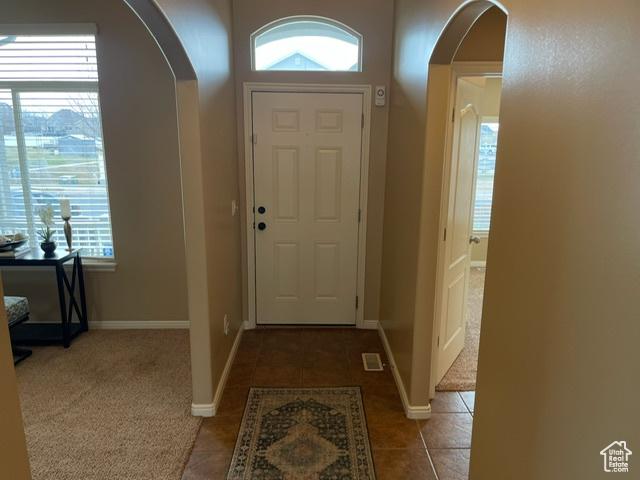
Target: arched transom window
(306, 43)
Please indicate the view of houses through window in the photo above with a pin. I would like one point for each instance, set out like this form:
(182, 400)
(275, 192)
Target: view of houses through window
(486, 170)
(51, 139)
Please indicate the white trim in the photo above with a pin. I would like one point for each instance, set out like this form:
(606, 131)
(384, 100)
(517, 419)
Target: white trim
(138, 325)
(365, 90)
(370, 324)
(414, 412)
(458, 69)
(203, 409)
(478, 263)
(48, 29)
(95, 265)
(225, 373)
(484, 69)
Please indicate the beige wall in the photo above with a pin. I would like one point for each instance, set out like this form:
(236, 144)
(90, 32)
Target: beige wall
(14, 460)
(485, 40)
(137, 94)
(376, 28)
(559, 331)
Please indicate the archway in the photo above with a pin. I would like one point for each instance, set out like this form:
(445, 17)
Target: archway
(188, 108)
(438, 121)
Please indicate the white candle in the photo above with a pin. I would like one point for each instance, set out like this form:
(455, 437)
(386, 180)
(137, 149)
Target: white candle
(65, 208)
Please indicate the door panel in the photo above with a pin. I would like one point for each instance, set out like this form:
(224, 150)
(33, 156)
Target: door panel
(459, 223)
(286, 187)
(455, 309)
(328, 184)
(307, 151)
(327, 269)
(286, 270)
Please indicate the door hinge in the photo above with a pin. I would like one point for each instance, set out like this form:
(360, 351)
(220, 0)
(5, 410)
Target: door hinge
(359, 215)
(254, 138)
(445, 235)
(438, 343)
(356, 302)
(362, 124)
(453, 114)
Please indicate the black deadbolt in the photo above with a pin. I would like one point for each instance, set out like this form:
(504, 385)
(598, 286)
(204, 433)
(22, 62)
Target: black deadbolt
(261, 209)
(262, 226)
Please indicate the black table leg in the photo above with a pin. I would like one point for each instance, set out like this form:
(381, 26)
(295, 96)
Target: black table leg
(66, 337)
(84, 320)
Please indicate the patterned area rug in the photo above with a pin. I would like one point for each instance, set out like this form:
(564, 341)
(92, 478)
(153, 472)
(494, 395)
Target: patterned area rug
(303, 434)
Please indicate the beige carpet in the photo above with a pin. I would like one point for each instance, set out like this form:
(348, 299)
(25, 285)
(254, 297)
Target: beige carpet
(462, 374)
(116, 405)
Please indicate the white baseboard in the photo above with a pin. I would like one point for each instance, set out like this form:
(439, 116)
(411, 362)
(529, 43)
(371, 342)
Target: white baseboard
(478, 263)
(152, 325)
(203, 409)
(414, 412)
(212, 409)
(370, 325)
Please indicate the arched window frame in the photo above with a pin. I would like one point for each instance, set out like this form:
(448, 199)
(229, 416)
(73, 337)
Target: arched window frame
(306, 18)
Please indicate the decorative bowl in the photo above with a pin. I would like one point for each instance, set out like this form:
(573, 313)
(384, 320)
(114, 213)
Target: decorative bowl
(13, 244)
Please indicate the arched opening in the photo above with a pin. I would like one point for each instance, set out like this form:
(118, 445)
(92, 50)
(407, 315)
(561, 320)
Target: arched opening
(472, 76)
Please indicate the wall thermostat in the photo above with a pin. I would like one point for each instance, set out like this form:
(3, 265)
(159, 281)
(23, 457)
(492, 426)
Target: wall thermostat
(380, 96)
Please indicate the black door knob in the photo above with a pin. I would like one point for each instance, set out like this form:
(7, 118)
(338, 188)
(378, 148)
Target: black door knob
(262, 226)
(261, 209)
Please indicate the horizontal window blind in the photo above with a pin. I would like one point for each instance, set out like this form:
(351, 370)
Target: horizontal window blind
(51, 139)
(50, 58)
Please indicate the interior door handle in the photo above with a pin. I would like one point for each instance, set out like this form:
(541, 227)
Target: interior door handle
(262, 226)
(474, 239)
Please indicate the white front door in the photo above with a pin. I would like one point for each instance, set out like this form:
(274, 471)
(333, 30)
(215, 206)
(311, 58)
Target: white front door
(306, 164)
(459, 219)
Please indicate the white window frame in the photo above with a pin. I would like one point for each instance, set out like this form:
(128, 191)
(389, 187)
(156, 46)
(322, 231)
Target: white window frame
(305, 18)
(484, 233)
(107, 264)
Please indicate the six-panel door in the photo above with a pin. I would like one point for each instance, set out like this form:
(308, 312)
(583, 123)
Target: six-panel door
(307, 152)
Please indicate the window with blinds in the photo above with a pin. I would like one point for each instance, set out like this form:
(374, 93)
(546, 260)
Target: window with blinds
(51, 139)
(484, 184)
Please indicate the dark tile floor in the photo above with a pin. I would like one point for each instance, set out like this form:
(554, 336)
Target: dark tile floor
(403, 449)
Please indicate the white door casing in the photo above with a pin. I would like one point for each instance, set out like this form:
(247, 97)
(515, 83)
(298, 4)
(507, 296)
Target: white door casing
(307, 150)
(460, 177)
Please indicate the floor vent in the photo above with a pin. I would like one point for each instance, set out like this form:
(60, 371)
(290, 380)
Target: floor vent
(372, 362)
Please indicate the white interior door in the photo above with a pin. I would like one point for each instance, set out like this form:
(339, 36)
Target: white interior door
(307, 151)
(459, 218)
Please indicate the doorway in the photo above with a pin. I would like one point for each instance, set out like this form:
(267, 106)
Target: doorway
(306, 185)
(465, 222)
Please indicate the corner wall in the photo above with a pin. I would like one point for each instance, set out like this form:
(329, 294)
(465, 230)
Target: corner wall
(204, 29)
(13, 446)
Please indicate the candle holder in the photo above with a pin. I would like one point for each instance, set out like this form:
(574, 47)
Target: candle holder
(68, 233)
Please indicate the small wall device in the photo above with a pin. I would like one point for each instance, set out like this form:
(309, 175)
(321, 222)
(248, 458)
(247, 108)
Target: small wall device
(380, 96)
